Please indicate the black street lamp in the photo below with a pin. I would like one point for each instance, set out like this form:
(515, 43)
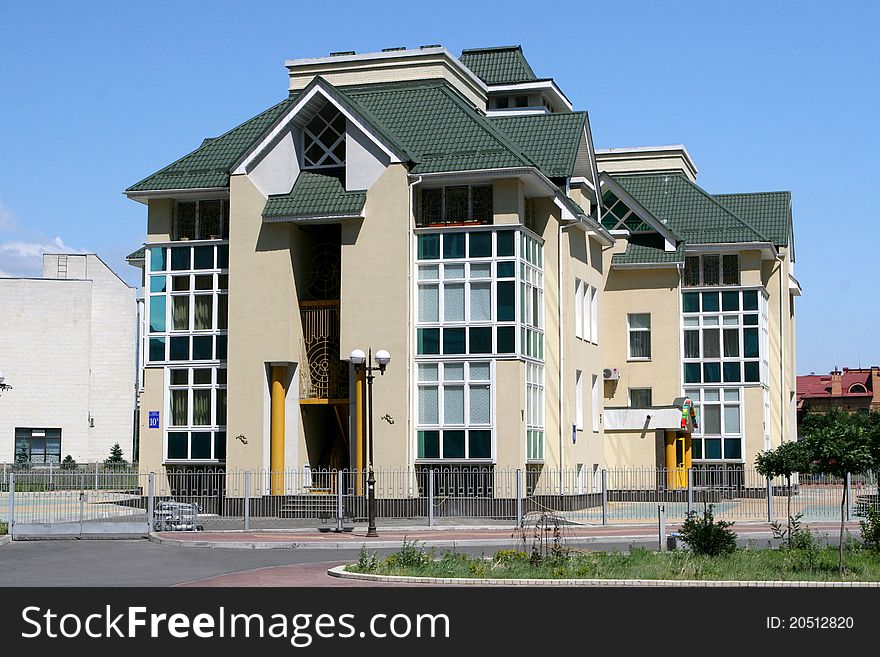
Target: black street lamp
(365, 363)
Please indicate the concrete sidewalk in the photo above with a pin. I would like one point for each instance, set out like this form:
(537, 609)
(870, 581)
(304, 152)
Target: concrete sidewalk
(451, 536)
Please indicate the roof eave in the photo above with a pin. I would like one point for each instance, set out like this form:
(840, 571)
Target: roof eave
(143, 196)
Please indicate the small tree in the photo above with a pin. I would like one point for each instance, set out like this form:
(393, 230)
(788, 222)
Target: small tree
(836, 445)
(783, 461)
(115, 457)
(68, 463)
(22, 456)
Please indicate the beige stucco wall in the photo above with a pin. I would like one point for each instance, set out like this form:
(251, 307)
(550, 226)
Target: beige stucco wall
(753, 422)
(375, 307)
(510, 404)
(159, 219)
(152, 398)
(507, 201)
(634, 449)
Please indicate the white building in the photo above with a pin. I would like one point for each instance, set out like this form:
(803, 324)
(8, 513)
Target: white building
(67, 348)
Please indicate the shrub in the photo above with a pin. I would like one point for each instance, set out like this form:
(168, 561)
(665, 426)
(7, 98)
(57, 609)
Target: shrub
(68, 463)
(870, 528)
(115, 457)
(706, 535)
(410, 555)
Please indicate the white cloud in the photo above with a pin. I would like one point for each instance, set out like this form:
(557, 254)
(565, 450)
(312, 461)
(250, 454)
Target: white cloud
(8, 220)
(19, 258)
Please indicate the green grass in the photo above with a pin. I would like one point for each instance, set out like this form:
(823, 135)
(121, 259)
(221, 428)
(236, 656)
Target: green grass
(4, 528)
(812, 564)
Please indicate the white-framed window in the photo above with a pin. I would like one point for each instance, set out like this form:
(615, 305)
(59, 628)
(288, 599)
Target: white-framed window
(579, 399)
(455, 418)
(594, 316)
(588, 313)
(324, 139)
(196, 414)
(639, 336)
(640, 398)
(578, 308)
(534, 411)
(724, 337)
(719, 432)
(711, 270)
(596, 411)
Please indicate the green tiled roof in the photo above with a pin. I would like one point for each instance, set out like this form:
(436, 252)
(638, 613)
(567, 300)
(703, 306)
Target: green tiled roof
(638, 254)
(501, 65)
(690, 212)
(315, 195)
(435, 125)
(209, 164)
(140, 254)
(769, 212)
(550, 140)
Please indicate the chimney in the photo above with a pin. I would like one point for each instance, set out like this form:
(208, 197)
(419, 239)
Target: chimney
(836, 385)
(875, 387)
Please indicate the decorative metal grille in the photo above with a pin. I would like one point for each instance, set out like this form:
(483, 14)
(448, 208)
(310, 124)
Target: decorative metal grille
(324, 140)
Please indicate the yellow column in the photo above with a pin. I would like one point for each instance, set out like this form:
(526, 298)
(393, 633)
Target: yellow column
(359, 432)
(276, 450)
(688, 454)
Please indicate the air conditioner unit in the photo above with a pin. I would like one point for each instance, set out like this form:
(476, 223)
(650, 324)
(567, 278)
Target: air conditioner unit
(611, 374)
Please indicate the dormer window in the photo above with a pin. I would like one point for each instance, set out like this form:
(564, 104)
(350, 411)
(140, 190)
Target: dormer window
(324, 140)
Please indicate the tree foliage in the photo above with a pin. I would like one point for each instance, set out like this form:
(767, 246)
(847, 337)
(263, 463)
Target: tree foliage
(115, 457)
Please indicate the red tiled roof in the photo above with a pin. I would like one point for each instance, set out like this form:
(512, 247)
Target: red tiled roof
(819, 385)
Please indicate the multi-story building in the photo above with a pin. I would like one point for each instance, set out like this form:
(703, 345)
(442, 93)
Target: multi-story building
(447, 210)
(855, 390)
(67, 349)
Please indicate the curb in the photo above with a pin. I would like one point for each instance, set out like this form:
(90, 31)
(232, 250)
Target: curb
(339, 571)
(6, 538)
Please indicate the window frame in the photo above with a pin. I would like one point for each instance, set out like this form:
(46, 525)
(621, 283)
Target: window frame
(218, 389)
(630, 330)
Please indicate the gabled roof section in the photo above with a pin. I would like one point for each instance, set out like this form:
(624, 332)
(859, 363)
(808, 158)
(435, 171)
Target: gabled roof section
(140, 254)
(436, 126)
(693, 214)
(499, 65)
(550, 140)
(768, 212)
(315, 196)
(642, 255)
(208, 166)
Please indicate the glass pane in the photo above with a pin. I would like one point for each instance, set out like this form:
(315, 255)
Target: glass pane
(732, 448)
(222, 342)
(157, 283)
(200, 445)
(713, 448)
(697, 448)
(481, 242)
(730, 273)
(221, 406)
(428, 405)
(453, 341)
(201, 407)
(711, 343)
(479, 444)
(179, 377)
(507, 341)
(178, 444)
(711, 320)
(157, 314)
(203, 312)
(479, 411)
(691, 344)
(750, 320)
(209, 225)
(710, 301)
(453, 444)
(640, 397)
(481, 302)
(429, 303)
(180, 258)
(157, 349)
(732, 373)
(479, 372)
(180, 284)
(179, 348)
(731, 395)
(202, 346)
(453, 245)
(220, 445)
(731, 343)
(750, 299)
(640, 321)
(506, 243)
(731, 419)
(481, 270)
(204, 282)
(428, 372)
(640, 344)
(506, 301)
(730, 320)
(157, 258)
(730, 300)
(691, 321)
(712, 394)
(711, 419)
(457, 205)
(453, 271)
(711, 266)
(453, 405)
(223, 256)
(204, 255)
(429, 341)
(221, 375)
(429, 272)
(429, 444)
(453, 372)
(712, 372)
(752, 372)
(222, 311)
(453, 302)
(691, 372)
(506, 269)
(179, 400)
(691, 302)
(750, 343)
(180, 313)
(429, 247)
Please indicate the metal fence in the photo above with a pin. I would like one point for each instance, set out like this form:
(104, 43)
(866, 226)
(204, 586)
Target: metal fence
(47, 500)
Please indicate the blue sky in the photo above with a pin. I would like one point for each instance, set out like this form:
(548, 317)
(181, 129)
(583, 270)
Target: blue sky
(766, 96)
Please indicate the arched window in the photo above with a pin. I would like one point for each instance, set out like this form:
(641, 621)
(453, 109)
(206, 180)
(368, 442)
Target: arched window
(857, 388)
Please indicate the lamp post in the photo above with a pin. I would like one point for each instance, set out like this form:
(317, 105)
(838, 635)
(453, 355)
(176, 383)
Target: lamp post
(365, 362)
(3, 385)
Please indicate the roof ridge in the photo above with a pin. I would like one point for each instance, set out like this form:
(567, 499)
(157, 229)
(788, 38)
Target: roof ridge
(725, 208)
(538, 116)
(491, 49)
(780, 191)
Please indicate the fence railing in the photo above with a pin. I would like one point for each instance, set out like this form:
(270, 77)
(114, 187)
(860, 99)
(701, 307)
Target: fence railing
(238, 499)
